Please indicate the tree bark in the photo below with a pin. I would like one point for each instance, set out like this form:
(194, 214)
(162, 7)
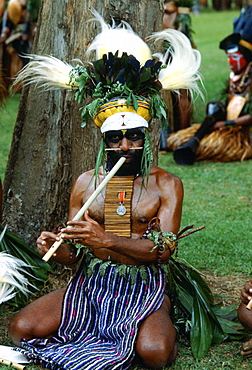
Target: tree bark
(49, 148)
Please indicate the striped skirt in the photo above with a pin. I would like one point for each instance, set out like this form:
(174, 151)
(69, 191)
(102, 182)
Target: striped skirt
(102, 312)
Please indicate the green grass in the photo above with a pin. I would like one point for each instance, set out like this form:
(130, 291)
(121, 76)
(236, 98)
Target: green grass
(7, 122)
(217, 195)
(210, 28)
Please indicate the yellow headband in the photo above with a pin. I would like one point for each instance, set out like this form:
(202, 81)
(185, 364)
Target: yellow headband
(246, 44)
(120, 105)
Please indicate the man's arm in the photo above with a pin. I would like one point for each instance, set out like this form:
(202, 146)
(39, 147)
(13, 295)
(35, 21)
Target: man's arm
(240, 121)
(66, 253)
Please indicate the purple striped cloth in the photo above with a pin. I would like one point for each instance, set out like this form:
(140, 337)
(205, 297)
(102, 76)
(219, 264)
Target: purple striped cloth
(101, 316)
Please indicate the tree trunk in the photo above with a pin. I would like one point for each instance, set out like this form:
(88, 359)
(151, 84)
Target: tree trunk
(49, 148)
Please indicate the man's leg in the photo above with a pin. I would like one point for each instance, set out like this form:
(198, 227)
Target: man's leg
(156, 338)
(245, 317)
(40, 319)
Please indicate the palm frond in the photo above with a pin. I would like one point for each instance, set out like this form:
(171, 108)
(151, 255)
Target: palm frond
(193, 300)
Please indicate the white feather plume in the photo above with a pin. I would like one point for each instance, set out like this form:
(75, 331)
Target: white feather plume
(182, 70)
(12, 277)
(47, 71)
(118, 38)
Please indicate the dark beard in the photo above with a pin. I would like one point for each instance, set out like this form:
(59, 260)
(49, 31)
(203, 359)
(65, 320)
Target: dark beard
(127, 169)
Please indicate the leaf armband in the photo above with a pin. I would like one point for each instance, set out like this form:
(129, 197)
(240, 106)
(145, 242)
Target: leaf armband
(163, 241)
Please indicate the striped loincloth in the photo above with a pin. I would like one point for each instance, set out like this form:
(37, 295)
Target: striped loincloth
(102, 312)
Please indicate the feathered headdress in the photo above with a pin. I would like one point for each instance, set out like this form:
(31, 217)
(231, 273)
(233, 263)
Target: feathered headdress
(124, 67)
(241, 39)
(124, 77)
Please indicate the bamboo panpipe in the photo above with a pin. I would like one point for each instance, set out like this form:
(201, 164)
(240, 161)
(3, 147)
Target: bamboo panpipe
(114, 222)
(13, 364)
(249, 305)
(83, 209)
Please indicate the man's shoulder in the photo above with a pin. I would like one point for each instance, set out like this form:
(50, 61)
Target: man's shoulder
(166, 181)
(162, 173)
(85, 178)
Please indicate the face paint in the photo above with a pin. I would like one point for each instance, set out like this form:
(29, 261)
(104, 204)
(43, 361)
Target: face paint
(135, 138)
(236, 61)
(114, 137)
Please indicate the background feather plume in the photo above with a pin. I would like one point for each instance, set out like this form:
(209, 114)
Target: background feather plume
(181, 61)
(119, 38)
(12, 277)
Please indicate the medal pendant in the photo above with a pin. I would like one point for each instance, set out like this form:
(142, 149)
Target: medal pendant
(121, 210)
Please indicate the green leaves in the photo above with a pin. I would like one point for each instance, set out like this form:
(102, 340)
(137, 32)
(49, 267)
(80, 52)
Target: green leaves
(210, 323)
(201, 334)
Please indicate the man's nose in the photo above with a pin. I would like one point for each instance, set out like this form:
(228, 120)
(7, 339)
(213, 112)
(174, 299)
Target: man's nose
(125, 144)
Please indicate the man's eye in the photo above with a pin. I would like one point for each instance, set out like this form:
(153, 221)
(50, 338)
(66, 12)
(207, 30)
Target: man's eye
(133, 137)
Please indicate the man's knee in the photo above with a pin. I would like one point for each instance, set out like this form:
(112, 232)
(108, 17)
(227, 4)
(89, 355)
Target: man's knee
(157, 355)
(19, 328)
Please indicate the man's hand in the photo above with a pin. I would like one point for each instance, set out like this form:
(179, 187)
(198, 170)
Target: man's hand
(246, 293)
(45, 241)
(4, 34)
(24, 37)
(87, 232)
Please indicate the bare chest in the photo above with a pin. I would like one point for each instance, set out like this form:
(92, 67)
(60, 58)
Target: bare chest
(144, 206)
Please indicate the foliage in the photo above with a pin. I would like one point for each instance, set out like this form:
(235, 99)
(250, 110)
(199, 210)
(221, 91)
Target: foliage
(195, 311)
(33, 9)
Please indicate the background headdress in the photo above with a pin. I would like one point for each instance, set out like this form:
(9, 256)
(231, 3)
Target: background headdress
(242, 36)
(14, 11)
(124, 77)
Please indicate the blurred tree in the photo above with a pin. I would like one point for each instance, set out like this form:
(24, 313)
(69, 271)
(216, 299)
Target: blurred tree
(49, 148)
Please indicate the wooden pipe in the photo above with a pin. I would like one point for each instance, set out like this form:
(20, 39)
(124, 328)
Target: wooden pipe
(85, 206)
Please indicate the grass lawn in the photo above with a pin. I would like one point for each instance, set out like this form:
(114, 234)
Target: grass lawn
(7, 122)
(210, 28)
(217, 195)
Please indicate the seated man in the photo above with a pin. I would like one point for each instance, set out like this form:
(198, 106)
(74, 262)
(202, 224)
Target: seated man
(162, 198)
(245, 316)
(223, 137)
(115, 306)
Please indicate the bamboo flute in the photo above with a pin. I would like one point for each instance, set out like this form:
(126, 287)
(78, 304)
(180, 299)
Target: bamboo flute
(13, 364)
(249, 305)
(85, 206)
